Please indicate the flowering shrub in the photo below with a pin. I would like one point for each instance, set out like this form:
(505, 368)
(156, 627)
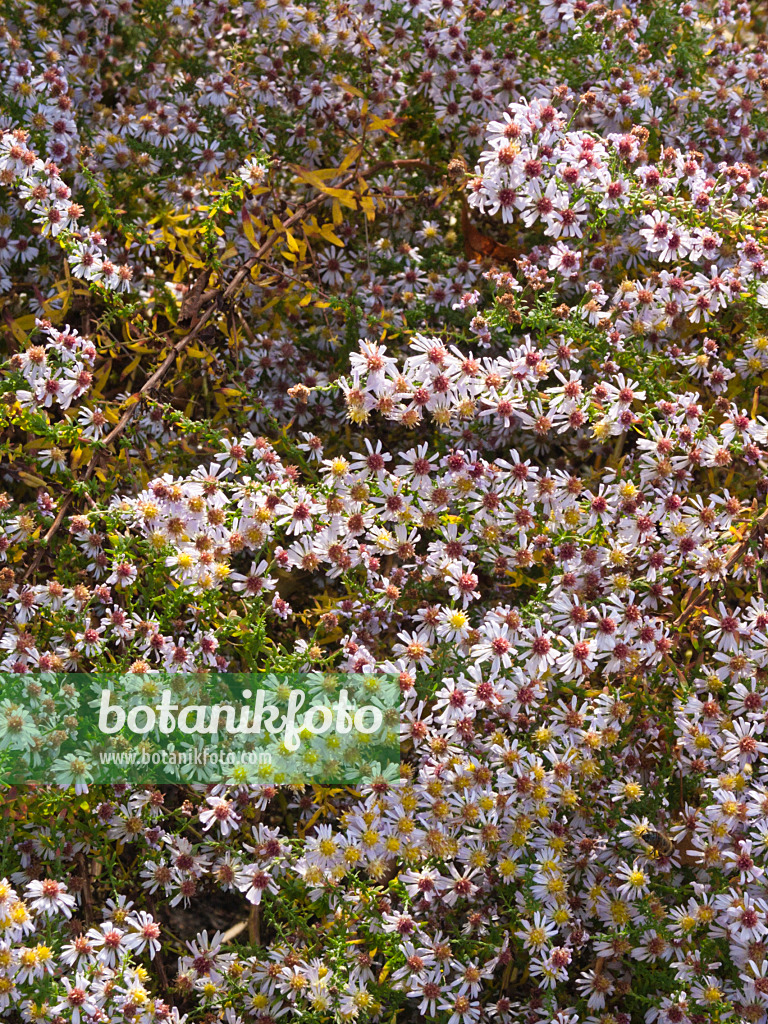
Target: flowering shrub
(412, 338)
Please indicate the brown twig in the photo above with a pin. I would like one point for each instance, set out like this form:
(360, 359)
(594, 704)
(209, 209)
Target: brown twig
(116, 431)
(735, 554)
(158, 961)
(215, 299)
(254, 926)
(87, 894)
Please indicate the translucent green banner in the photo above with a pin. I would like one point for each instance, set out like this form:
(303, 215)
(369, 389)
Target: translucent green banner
(316, 727)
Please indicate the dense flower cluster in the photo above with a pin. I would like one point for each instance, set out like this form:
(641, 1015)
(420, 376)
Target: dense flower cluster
(422, 340)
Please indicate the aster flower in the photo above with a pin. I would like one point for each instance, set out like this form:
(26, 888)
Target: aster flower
(49, 897)
(219, 812)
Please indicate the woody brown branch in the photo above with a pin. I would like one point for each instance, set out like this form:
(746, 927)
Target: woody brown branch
(736, 552)
(214, 298)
